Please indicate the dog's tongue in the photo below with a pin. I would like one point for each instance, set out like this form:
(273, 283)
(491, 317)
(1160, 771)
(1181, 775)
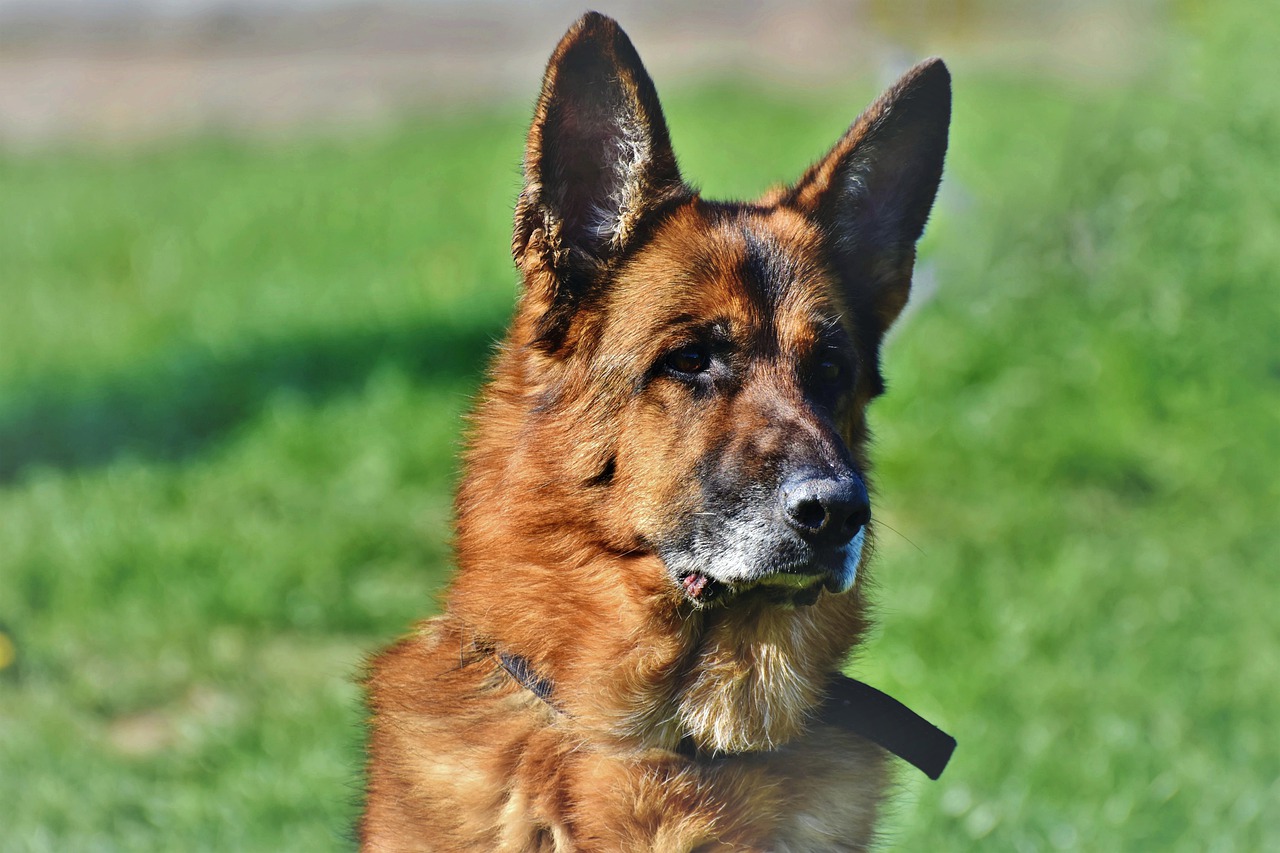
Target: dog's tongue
(695, 584)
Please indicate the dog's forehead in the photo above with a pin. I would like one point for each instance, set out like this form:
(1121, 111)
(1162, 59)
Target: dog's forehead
(761, 270)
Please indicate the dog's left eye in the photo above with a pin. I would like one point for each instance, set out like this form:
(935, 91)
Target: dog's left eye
(688, 360)
(829, 372)
(830, 377)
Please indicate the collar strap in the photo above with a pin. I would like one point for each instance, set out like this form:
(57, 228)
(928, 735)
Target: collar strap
(519, 669)
(883, 720)
(850, 705)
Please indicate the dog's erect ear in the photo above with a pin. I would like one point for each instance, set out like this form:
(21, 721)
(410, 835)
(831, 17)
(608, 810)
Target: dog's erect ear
(597, 162)
(873, 192)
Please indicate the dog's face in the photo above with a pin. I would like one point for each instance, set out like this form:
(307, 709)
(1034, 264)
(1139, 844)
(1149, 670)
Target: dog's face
(744, 386)
(719, 356)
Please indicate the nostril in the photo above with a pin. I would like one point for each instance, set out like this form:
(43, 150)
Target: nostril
(809, 513)
(857, 519)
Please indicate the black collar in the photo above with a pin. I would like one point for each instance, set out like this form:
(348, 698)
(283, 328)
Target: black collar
(881, 719)
(850, 705)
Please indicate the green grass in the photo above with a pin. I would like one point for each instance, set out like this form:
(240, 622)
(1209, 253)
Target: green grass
(231, 377)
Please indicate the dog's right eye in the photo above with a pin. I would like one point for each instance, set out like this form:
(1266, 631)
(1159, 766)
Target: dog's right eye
(688, 360)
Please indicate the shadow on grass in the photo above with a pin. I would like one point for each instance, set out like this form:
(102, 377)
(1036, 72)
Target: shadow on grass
(182, 403)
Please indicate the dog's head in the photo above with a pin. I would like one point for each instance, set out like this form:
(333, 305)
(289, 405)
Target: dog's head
(694, 374)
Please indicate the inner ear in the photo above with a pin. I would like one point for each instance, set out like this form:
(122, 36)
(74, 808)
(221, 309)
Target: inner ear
(598, 158)
(595, 149)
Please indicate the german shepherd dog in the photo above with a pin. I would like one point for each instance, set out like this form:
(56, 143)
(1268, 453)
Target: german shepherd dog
(663, 525)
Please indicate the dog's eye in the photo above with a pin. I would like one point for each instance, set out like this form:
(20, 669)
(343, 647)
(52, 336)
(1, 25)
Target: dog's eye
(831, 376)
(689, 360)
(829, 372)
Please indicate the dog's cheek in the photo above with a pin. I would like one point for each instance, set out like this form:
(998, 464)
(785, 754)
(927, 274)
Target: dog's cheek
(661, 448)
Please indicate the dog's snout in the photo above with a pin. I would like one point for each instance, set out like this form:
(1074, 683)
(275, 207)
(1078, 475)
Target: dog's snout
(826, 510)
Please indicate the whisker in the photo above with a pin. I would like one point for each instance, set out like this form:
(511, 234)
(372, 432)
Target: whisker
(880, 523)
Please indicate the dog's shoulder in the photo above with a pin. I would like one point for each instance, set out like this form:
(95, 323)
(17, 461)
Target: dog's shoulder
(450, 730)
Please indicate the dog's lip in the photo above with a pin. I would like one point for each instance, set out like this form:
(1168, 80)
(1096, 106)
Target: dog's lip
(796, 578)
(794, 575)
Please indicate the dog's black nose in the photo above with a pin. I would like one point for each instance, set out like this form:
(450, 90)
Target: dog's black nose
(826, 510)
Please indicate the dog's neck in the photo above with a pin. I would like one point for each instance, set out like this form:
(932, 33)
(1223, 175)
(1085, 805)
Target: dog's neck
(759, 669)
(850, 705)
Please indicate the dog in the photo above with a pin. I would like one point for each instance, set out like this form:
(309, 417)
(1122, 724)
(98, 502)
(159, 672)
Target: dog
(663, 525)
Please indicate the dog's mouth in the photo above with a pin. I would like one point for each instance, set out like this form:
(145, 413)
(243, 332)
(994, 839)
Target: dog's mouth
(699, 587)
(799, 582)
(794, 588)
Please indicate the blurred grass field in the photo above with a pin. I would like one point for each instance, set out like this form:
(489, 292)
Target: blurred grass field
(231, 381)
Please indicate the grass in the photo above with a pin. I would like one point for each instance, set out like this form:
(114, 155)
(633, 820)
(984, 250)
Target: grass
(231, 376)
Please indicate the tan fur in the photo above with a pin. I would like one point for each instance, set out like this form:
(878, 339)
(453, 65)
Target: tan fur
(571, 474)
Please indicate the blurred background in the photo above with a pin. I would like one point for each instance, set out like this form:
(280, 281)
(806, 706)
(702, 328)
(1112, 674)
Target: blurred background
(254, 256)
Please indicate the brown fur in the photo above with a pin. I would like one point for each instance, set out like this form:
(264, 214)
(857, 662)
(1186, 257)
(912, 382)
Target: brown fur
(676, 725)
